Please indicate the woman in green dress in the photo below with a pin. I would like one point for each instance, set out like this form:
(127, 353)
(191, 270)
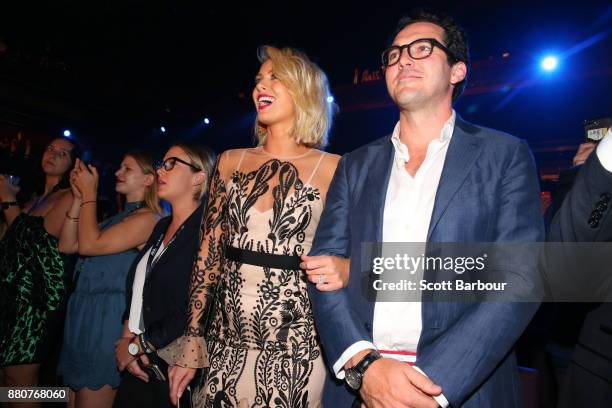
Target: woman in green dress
(32, 284)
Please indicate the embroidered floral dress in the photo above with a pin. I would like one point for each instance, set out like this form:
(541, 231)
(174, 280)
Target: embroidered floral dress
(260, 343)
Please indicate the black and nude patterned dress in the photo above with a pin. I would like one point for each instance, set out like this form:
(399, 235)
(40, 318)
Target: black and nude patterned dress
(260, 341)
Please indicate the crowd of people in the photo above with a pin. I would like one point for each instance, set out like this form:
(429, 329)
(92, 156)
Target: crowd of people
(250, 292)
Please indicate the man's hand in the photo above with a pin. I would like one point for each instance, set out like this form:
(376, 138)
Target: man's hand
(389, 383)
(327, 272)
(179, 378)
(583, 153)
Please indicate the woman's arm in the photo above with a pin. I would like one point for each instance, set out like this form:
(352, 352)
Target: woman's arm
(8, 194)
(54, 219)
(130, 233)
(68, 241)
(193, 352)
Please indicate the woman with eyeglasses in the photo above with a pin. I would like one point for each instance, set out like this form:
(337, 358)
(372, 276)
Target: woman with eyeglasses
(158, 282)
(32, 288)
(261, 347)
(107, 250)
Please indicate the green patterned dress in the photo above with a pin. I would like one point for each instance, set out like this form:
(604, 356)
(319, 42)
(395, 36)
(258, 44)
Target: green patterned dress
(32, 291)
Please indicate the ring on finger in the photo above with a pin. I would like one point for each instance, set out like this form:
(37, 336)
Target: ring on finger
(321, 279)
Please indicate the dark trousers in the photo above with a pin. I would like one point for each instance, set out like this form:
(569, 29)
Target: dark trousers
(134, 393)
(583, 388)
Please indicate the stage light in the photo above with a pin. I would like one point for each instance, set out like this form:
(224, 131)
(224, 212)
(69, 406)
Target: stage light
(330, 99)
(549, 63)
(163, 129)
(67, 133)
(206, 121)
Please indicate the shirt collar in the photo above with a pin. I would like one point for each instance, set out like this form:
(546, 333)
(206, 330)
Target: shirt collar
(401, 151)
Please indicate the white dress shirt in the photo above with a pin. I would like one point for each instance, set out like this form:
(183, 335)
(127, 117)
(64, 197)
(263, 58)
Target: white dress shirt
(137, 290)
(604, 151)
(408, 207)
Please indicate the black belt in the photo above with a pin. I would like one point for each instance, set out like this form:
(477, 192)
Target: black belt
(262, 259)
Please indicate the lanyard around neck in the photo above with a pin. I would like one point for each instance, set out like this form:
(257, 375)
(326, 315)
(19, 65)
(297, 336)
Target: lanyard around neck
(152, 261)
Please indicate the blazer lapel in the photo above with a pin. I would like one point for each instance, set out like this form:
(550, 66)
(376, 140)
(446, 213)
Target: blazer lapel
(376, 185)
(462, 152)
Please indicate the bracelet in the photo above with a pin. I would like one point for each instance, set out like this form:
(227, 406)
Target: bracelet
(87, 202)
(71, 218)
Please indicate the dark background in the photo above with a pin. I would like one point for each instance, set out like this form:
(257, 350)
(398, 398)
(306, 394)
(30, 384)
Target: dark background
(113, 72)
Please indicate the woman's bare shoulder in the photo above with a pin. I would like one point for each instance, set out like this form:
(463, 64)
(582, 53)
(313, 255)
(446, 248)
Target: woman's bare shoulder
(329, 163)
(229, 159)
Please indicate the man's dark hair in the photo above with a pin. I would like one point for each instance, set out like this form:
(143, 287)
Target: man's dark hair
(454, 38)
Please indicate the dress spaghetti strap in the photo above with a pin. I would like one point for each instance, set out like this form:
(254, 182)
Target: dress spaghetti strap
(316, 167)
(241, 158)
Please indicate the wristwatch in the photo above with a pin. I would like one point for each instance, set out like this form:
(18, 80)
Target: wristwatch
(133, 349)
(354, 375)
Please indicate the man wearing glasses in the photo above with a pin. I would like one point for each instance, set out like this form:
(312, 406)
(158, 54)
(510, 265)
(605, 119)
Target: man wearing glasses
(436, 178)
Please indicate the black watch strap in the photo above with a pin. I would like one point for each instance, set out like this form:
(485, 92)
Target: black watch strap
(365, 362)
(144, 345)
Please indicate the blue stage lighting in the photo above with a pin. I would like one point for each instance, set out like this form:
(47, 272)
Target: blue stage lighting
(549, 63)
(163, 129)
(206, 121)
(67, 133)
(330, 99)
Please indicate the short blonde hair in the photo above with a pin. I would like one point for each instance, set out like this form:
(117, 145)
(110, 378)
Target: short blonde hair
(307, 84)
(204, 159)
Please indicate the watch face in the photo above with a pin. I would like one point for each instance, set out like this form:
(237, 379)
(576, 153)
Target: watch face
(133, 349)
(353, 379)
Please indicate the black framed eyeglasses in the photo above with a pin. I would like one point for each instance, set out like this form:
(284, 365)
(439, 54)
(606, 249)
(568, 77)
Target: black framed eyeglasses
(418, 49)
(170, 162)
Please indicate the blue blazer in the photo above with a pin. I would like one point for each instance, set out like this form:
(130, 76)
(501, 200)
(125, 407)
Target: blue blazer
(488, 192)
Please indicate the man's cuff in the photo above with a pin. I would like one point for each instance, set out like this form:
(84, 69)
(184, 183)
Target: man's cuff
(440, 399)
(348, 354)
(604, 151)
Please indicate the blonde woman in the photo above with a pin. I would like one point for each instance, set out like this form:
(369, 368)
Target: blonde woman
(107, 250)
(158, 282)
(264, 205)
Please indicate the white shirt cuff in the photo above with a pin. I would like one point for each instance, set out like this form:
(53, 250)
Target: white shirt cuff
(440, 399)
(604, 151)
(348, 354)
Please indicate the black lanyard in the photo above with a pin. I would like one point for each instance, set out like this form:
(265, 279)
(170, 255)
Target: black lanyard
(151, 261)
